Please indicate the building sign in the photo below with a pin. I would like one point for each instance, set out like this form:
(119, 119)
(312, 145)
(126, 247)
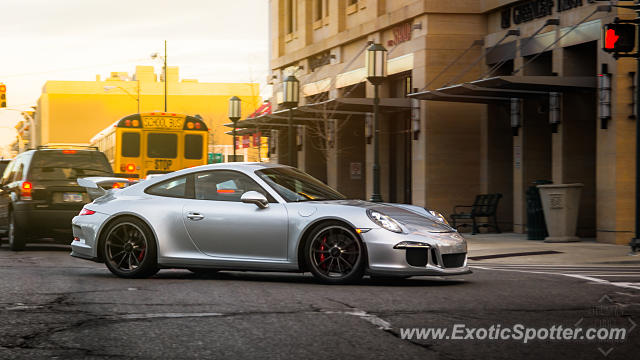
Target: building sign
(355, 170)
(256, 139)
(215, 158)
(315, 61)
(401, 33)
(534, 9)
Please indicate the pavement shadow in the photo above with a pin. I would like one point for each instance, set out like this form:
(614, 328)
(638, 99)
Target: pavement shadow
(38, 245)
(41, 247)
(306, 278)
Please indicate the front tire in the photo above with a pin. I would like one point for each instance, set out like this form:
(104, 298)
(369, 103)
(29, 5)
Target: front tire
(335, 254)
(129, 248)
(16, 235)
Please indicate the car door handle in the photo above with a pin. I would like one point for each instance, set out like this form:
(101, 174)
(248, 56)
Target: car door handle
(195, 216)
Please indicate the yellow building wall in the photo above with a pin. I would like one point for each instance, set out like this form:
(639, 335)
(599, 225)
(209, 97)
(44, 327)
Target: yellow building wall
(75, 111)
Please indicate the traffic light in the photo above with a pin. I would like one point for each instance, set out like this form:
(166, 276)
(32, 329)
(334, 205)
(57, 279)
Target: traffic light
(3, 96)
(618, 38)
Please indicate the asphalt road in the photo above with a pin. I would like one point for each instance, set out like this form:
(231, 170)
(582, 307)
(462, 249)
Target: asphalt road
(55, 306)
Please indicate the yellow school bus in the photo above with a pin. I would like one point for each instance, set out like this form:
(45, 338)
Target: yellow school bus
(153, 143)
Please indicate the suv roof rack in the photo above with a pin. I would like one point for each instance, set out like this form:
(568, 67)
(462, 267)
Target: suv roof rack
(67, 146)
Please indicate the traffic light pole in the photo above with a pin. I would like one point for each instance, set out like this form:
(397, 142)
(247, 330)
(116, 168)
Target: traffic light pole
(635, 242)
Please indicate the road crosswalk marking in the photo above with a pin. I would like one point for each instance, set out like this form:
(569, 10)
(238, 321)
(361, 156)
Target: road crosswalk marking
(629, 275)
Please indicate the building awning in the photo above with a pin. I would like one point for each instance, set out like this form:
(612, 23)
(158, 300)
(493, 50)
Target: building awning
(339, 109)
(361, 105)
(503, 88)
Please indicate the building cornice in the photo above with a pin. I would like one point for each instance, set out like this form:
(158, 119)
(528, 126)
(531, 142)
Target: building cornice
(380, 23)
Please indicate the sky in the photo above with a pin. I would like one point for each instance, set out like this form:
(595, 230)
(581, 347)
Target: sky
(209, 40)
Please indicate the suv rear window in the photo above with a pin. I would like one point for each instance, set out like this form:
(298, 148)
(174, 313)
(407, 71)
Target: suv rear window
(193, 146)
(68, 165)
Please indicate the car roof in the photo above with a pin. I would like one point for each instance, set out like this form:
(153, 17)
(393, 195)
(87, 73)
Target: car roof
(244, 166)
(239, 166)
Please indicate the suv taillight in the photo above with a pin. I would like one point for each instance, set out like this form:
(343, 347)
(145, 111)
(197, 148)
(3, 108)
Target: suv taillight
(25, 190)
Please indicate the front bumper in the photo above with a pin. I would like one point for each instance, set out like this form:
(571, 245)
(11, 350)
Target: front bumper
(85, 235)
(442, 254)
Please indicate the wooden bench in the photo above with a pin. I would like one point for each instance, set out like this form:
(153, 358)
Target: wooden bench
(484, 206)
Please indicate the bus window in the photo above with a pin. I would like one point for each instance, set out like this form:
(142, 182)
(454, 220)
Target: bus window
(130, 144)
(162, 145)
(193, 146)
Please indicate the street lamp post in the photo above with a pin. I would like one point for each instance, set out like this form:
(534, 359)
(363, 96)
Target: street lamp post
(234, 115)
(291, 95)
(164, 59)
(137, 98)
(376, 66)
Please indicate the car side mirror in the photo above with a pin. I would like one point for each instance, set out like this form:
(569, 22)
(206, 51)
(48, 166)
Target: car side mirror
(254, 197)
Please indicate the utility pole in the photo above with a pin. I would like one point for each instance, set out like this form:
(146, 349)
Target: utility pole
(165, 76)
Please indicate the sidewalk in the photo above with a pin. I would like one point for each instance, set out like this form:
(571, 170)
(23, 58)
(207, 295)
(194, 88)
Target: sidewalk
(518, 250)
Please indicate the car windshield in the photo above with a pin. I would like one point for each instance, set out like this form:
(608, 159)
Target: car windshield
(294, 185)
(68, 165)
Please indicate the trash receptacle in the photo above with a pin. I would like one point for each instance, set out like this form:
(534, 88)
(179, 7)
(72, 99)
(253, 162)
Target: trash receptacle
(536, 226)
(561, 204)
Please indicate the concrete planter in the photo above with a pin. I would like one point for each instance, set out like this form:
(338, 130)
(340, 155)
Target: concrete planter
(560, 204)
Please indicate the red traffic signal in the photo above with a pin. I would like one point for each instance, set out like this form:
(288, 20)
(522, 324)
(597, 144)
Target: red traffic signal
(618, 37)
(3, 96)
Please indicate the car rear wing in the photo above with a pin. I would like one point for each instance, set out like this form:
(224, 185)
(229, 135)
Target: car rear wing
(97, 186)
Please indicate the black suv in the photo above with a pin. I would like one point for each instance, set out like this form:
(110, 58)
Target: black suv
(39, 194)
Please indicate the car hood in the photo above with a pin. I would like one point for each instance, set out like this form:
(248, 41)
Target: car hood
(414, 218)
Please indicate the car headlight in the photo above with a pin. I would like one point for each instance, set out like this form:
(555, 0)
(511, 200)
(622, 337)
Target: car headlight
(439, 217)
(384, 221)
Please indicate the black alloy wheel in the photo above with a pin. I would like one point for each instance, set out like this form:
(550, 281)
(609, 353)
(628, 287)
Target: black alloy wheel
(129, 249)
(335, 254)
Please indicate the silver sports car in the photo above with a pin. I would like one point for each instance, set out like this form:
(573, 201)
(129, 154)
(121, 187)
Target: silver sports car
(260, 217)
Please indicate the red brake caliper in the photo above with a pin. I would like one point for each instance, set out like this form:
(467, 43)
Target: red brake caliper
(324, 240)
(141, 255)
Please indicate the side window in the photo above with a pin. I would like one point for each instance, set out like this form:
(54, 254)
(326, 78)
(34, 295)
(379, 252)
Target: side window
(130, 144)
(18, 174)
(8, 173)
(193, 146)
(224, 185)
(17, 170)
(176, 187)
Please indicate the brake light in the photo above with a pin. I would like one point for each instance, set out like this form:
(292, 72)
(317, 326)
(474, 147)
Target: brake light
(86, 211)
(25, 190)
(131, 167)
(69, 151)
(226, 191)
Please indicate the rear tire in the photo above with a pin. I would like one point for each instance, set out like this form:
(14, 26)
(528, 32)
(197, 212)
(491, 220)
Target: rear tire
(129, 248)
(16, 235)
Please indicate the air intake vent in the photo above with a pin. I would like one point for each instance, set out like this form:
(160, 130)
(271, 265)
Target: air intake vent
(453, 260)
(417, 257)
